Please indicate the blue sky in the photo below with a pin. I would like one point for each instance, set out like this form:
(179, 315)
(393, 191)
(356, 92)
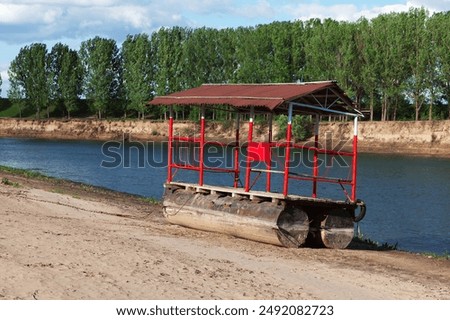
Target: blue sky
(23, 22)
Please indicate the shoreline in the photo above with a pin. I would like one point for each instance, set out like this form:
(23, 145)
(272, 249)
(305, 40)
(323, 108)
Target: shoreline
(62, 240)
(422, 138)
(80, 189)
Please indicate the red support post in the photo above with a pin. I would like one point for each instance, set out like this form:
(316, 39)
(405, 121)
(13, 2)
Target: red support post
(236, 153)
(316, 157)
(202, 146)
(269, 162)
(249, 140)
(355, 158)
(287, 152)
(170, 146)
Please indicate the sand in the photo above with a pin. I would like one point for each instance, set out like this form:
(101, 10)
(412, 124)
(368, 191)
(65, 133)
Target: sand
(60, 240)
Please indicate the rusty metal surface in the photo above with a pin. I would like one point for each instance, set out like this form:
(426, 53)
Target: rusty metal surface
(268, 222)
(270, 97)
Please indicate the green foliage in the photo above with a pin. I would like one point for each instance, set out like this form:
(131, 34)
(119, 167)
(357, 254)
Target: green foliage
(23, 172)
(302, 127)
(443, 256)
(360, 242)
(151, 200)
(396, 65)
(30, 78)
(67, 75)
(101, 63)
(7, 182)
(15, 109)
(137, 72)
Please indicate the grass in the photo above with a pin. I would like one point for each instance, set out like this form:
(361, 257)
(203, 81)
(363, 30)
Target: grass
(151, 200)
(361, 242)
(7, 182)
(443, 256)
(11, 112)
(24, 173)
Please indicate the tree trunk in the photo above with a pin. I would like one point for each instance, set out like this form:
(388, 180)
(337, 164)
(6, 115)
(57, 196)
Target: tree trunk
(430, 112)
(384, 109)
(417, 111)
(371, 107)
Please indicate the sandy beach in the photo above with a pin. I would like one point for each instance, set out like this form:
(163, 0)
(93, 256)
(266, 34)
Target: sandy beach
(60, 240)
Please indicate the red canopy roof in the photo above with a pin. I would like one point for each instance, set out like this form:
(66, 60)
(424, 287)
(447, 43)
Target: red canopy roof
(326, 95)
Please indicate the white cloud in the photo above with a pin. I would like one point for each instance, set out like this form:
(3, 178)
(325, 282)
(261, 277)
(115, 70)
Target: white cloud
(201, 6)
(431, 5)
(352, 12)
(4, 74)
(24, 21)
(261, 8)
(315, 10)
(20, 13)
(65, 2)
(5, 79)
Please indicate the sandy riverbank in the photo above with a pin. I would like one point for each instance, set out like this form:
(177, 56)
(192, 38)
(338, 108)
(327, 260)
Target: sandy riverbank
(429, 138)
(60, 240)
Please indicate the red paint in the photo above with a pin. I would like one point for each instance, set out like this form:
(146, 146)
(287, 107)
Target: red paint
(248, 162)
(236, 156)
(259, 151)
(288, 156)
(169, 156)
(315, 165)
(269, 160)
(269, 167)
(354, 166)
(202, 149)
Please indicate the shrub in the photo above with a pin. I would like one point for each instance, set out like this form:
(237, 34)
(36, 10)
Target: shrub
(302, 127)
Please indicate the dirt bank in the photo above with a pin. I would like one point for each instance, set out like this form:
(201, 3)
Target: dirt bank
(398, 137)
(61, 240)
(422, 137)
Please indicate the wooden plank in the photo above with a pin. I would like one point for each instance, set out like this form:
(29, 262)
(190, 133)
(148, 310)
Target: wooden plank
(235, 192)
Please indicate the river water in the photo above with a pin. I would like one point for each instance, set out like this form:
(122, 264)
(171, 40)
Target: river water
(408, 198)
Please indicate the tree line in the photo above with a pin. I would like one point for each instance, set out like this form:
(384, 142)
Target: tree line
(395, 66)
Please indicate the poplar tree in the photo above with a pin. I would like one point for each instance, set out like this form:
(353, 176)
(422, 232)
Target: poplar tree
(29, 73)
(167, 48)
(439, 25)
(101, 63)
(66, 73)
(137, 72)
(417, 59)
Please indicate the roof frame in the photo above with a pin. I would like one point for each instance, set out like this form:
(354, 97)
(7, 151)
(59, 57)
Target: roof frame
(323, 98)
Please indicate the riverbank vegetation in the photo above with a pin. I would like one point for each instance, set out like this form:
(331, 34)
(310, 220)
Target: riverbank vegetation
(395, 66)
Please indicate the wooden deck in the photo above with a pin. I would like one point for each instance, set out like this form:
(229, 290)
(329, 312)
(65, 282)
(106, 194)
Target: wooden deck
(254, 195)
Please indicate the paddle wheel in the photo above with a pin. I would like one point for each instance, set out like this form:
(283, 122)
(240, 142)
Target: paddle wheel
(288, 208)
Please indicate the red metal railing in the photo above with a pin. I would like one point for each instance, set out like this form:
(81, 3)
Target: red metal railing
(288, 145)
